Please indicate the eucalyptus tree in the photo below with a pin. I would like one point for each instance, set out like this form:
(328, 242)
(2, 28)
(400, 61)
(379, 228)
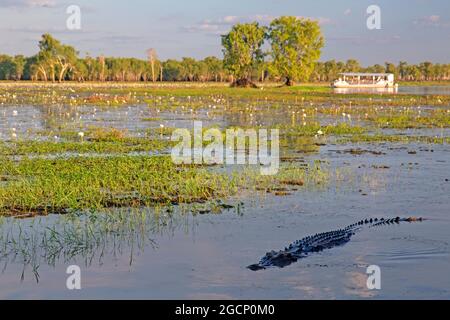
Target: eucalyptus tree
(318, 73)
(81, 71)
(215, 68)
(391, 68)
(352, 65)
(19, 66)
(426, 70)
(172, 70)
(152, 59)
(242, 50)
(296, 45)
(54, 59)
(331, 69)
(66, 59)
(376, 68)
(413, 73)
(402, 69)
(7, 68)
(188, 68)
(102, 66)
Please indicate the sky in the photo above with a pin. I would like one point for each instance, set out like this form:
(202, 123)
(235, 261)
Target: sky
(411, 30)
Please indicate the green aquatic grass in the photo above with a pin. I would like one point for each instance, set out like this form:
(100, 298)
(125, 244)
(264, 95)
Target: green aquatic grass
(41, 186)
(87, 236)
(314, 129)
(433, 119)
(127, 145)
(310, 117)
(44, 185)
(382, 138)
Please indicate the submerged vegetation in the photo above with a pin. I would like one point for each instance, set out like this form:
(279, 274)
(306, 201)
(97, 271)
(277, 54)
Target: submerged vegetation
(97, 155)
(77, 167)
(41, 186)
(91, 237)
(44, 185)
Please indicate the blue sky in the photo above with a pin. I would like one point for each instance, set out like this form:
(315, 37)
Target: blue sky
(412, 30)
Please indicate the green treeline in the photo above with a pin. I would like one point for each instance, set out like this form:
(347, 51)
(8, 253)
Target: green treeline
(292, 52)
(208, 69)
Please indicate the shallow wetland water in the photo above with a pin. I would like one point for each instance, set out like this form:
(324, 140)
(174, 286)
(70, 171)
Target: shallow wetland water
(176, 254)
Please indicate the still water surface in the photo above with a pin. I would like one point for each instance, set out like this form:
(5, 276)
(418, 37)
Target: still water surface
(206, 256)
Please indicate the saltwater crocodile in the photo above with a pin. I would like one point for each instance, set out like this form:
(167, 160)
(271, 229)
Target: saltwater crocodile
(318, 242)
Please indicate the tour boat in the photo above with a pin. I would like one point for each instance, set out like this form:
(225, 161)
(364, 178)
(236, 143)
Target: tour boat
(365, 80)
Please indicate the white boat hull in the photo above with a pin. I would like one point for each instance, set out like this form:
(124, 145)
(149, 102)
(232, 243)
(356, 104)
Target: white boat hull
(344, 84)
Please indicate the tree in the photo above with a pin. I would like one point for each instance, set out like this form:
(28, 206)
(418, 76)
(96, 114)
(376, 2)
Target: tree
(188, 69)
(201, 71)
(331, 70)
(7, 68)
(172, 70)
(81, 71)
(19, 65)
(413, 72)
(54, 58)
(402, 69)
(65, 60)
(352, 65)
(296, 45)
(391, 68)
(215, 68)
(377, 68)
(242, 51)
(102, 64)
(426, 69)
(152, 58)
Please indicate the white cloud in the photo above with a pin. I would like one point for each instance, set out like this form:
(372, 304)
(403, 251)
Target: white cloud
(41, 3)
(230, 19)
(221, 25)
(434, 18)
(432, 21)
(27, 3)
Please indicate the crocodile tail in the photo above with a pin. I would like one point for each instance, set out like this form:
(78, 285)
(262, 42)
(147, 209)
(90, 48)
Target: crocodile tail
(396, 220)
(414, 219)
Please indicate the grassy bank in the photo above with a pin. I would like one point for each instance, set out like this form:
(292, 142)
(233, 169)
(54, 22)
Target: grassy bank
(42, 186)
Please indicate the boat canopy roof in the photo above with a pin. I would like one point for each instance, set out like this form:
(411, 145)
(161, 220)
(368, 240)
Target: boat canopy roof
(360, 74)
